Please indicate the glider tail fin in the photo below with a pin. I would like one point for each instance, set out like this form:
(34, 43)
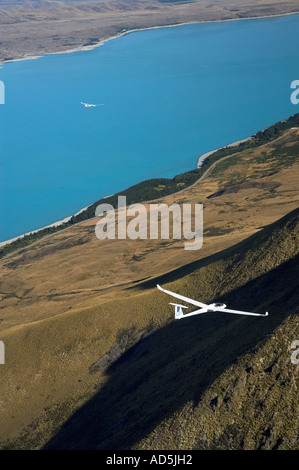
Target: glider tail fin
(178, 310)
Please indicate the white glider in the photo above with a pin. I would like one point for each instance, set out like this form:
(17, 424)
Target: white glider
(204, 308)
(87, 105)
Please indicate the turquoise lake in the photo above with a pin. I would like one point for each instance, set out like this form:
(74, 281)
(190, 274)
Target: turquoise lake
(169, 94)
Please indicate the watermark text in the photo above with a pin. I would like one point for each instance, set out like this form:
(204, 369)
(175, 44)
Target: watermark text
(2, 93)
(159, 221)
(295, 94)
(295, 353)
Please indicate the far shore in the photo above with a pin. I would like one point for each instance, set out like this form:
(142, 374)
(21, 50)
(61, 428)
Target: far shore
(101, 42)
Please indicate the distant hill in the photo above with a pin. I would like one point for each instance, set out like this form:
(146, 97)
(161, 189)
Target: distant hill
(94, 357)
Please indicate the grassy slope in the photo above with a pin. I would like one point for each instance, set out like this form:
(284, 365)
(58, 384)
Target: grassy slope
(252, 405)
(170, 375)
(62, 354)
(74, 270)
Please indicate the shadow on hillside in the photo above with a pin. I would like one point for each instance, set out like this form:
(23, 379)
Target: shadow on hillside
(175, 365)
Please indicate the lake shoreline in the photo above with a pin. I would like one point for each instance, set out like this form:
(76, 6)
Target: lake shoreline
(54, 224)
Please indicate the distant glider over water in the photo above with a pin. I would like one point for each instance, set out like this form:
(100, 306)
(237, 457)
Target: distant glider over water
(87, 105)
(204, 308)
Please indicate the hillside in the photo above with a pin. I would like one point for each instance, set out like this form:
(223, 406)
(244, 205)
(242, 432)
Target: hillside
(91, 344)
(182, 374)
(185, 384)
